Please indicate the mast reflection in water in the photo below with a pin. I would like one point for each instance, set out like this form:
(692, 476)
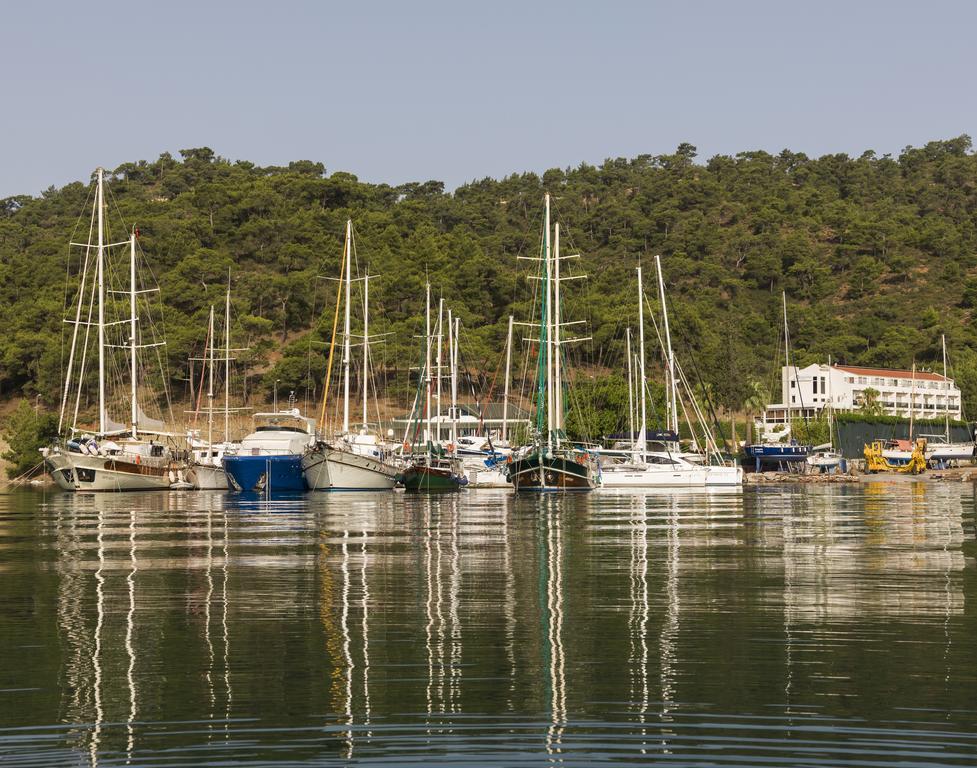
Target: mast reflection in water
(781, 625)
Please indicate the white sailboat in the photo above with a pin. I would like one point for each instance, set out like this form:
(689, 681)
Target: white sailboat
(114, 456)
(206, 471)
(641, 468)
(353, 460)
(939, 448)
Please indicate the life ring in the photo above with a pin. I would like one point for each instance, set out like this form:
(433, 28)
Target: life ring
(451, 447)
(406, 446)
(580, 459)
(508, 459)
(137, 459)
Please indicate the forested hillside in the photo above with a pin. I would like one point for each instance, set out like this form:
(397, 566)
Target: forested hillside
(878, 256)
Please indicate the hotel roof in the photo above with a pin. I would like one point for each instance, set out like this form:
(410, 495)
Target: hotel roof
(891, 373)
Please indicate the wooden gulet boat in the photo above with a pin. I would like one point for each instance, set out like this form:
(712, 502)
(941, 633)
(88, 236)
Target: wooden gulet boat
(548, 464)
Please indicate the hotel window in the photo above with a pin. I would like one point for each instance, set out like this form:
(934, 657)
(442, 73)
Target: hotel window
(814, 383)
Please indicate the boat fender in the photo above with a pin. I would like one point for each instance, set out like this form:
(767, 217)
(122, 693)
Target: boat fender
(172, 476)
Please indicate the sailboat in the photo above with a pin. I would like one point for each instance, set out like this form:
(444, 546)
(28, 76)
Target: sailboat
(114, 456)
(206, 471)
(484, 459)
(939, 448)
(825, 458)
(653, 469)
(780, 455)
(353, 460)
(431, 466)
(549, 463)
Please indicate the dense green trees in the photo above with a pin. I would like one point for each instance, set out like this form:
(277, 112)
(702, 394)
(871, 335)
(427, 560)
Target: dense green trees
(26, 431)
(878, 256)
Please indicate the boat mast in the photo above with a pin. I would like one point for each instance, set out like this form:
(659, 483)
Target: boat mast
(74, 333)
(946, 396)
(366, 344)
(427, 356)
(101, 307)
(787, 360)
(346, 339)
(227, 358)
(439, 332)
(912, 401)
(210, 387)
(673, 389)
(641, 359)
(505, 395)
(132, 328)
(547, 335)
(453, 352)
(557, 373)
(634, 444)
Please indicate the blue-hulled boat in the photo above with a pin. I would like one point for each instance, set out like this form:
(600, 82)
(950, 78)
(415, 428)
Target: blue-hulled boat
(270, 458)
(777, 456)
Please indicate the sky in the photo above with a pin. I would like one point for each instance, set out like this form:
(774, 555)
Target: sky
(457, 91)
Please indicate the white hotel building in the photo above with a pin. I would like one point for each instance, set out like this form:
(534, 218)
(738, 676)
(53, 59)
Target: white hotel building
(806, 391)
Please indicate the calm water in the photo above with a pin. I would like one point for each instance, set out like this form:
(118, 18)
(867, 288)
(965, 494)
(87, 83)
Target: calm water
(786, 626)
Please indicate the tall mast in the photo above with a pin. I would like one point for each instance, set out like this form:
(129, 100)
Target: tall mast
(453, 352)
(643, 427)
(74, 332)
(557, 374)
(548, 334)
(787, 358)
(912, 401)
(366, 344)
(132, 329)
(673, 389)
(227, 359)
(946, 396)
(346, 339)
(634, 448)
(210, 386)
(101, 308)
(427, 356)
(505, 395)
(439, 332)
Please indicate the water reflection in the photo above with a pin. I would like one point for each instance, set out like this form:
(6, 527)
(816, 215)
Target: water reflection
(203, 629)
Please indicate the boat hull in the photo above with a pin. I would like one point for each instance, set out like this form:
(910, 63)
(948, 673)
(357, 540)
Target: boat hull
(206, 477)
(265, 473)
(110, 473)
(554, 473)
(653, 476)
(485, 477)
(331, 469)
(944, 452)
(59, 467)
(776, 456)
(423, 478)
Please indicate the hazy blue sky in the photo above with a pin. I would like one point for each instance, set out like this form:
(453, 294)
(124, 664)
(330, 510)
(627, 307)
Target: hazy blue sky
(455, 91)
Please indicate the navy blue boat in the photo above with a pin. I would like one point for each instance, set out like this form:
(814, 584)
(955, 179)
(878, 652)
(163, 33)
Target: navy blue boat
(265, 473)
(776, 456)
(270, 458)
